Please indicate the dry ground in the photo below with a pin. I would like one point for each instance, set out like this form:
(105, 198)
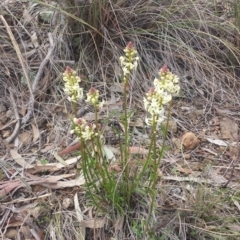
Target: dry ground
(40, 197)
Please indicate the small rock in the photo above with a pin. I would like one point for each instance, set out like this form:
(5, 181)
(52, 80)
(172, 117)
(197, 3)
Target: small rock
(189, 141)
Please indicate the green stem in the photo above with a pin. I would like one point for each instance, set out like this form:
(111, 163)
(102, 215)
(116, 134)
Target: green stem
(155, 168)
(88, 175)
(102, 160)
(126, 141)
(156, 165)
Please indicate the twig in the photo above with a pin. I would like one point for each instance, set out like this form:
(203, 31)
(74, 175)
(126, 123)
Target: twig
(33, 88)
(34, 233)
(18, 52)
(26, 118)
(233, 165)
(17, 126)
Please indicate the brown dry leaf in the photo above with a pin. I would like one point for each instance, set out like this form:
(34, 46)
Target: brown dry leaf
(25, 138)
(184, 170)
(7, 187)
(35, 133)
(22, 110)
(115, 167)
(137, 150)
(94, 223)
(71, 183)
(11, 233)
(25, 230)
(18, 159)
(53, 179)
(48, 148)
(51, 167)
(229, 129)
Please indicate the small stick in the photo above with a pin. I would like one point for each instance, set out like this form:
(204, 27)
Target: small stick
(233, 165)
(17, 126)
(26, 118)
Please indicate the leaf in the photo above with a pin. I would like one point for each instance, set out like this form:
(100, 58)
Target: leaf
(217, 142)
(60, 159)
(137, 150)
(35, 133)
(108, 153)
(79, 216)
(18, 159)
(184, 170)
(94, 223)
(68, 184)
(25, 138)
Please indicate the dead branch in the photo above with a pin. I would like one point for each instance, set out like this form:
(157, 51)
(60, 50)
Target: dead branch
(17, 126)
(26, 118)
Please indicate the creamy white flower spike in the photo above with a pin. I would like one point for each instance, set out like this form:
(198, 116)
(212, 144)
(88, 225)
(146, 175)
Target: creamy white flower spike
(157, 97)
(130, 60)
(167, 81)
(84, 129)
(93, 97)
(71, 85)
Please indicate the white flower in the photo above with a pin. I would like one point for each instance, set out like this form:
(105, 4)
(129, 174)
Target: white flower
(84, 129)
(71, 85)
(130, 60)
(157, 97)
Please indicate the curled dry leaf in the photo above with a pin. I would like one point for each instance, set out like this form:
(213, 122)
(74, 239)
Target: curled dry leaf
(35, 133)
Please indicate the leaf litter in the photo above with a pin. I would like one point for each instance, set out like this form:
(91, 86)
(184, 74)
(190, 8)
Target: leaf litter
(26, 180)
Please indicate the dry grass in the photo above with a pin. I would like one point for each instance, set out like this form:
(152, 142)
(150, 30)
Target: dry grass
(198, 40)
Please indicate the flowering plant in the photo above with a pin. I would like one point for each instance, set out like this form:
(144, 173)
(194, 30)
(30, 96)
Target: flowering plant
(104, 186)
